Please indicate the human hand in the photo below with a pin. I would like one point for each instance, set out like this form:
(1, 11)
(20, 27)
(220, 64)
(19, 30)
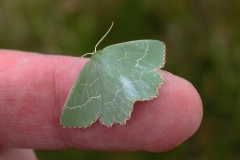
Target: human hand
(32, 94)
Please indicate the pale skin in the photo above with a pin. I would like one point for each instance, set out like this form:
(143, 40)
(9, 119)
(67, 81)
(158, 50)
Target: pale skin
(32, 94)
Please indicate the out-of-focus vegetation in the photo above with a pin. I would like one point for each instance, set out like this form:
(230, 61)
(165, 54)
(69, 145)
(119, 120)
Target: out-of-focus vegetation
(203, 46)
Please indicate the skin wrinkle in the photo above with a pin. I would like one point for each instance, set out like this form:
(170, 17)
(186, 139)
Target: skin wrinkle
(60, 101)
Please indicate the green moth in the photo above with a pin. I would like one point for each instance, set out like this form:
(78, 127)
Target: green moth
(111, 81)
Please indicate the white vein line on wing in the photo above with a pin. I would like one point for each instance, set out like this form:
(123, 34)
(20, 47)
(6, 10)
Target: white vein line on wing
(119, 90)
(84, 103)
(143, 55)
(125, 56)
(92, 82)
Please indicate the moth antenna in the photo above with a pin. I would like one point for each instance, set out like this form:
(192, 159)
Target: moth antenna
(74, 61)
(103, 37)
(89, 53)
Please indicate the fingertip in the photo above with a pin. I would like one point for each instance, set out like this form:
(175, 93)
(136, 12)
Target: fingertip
(182, 110)
(170, 119)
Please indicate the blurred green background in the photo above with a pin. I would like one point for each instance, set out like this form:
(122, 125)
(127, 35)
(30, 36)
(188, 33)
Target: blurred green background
(203, 46)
